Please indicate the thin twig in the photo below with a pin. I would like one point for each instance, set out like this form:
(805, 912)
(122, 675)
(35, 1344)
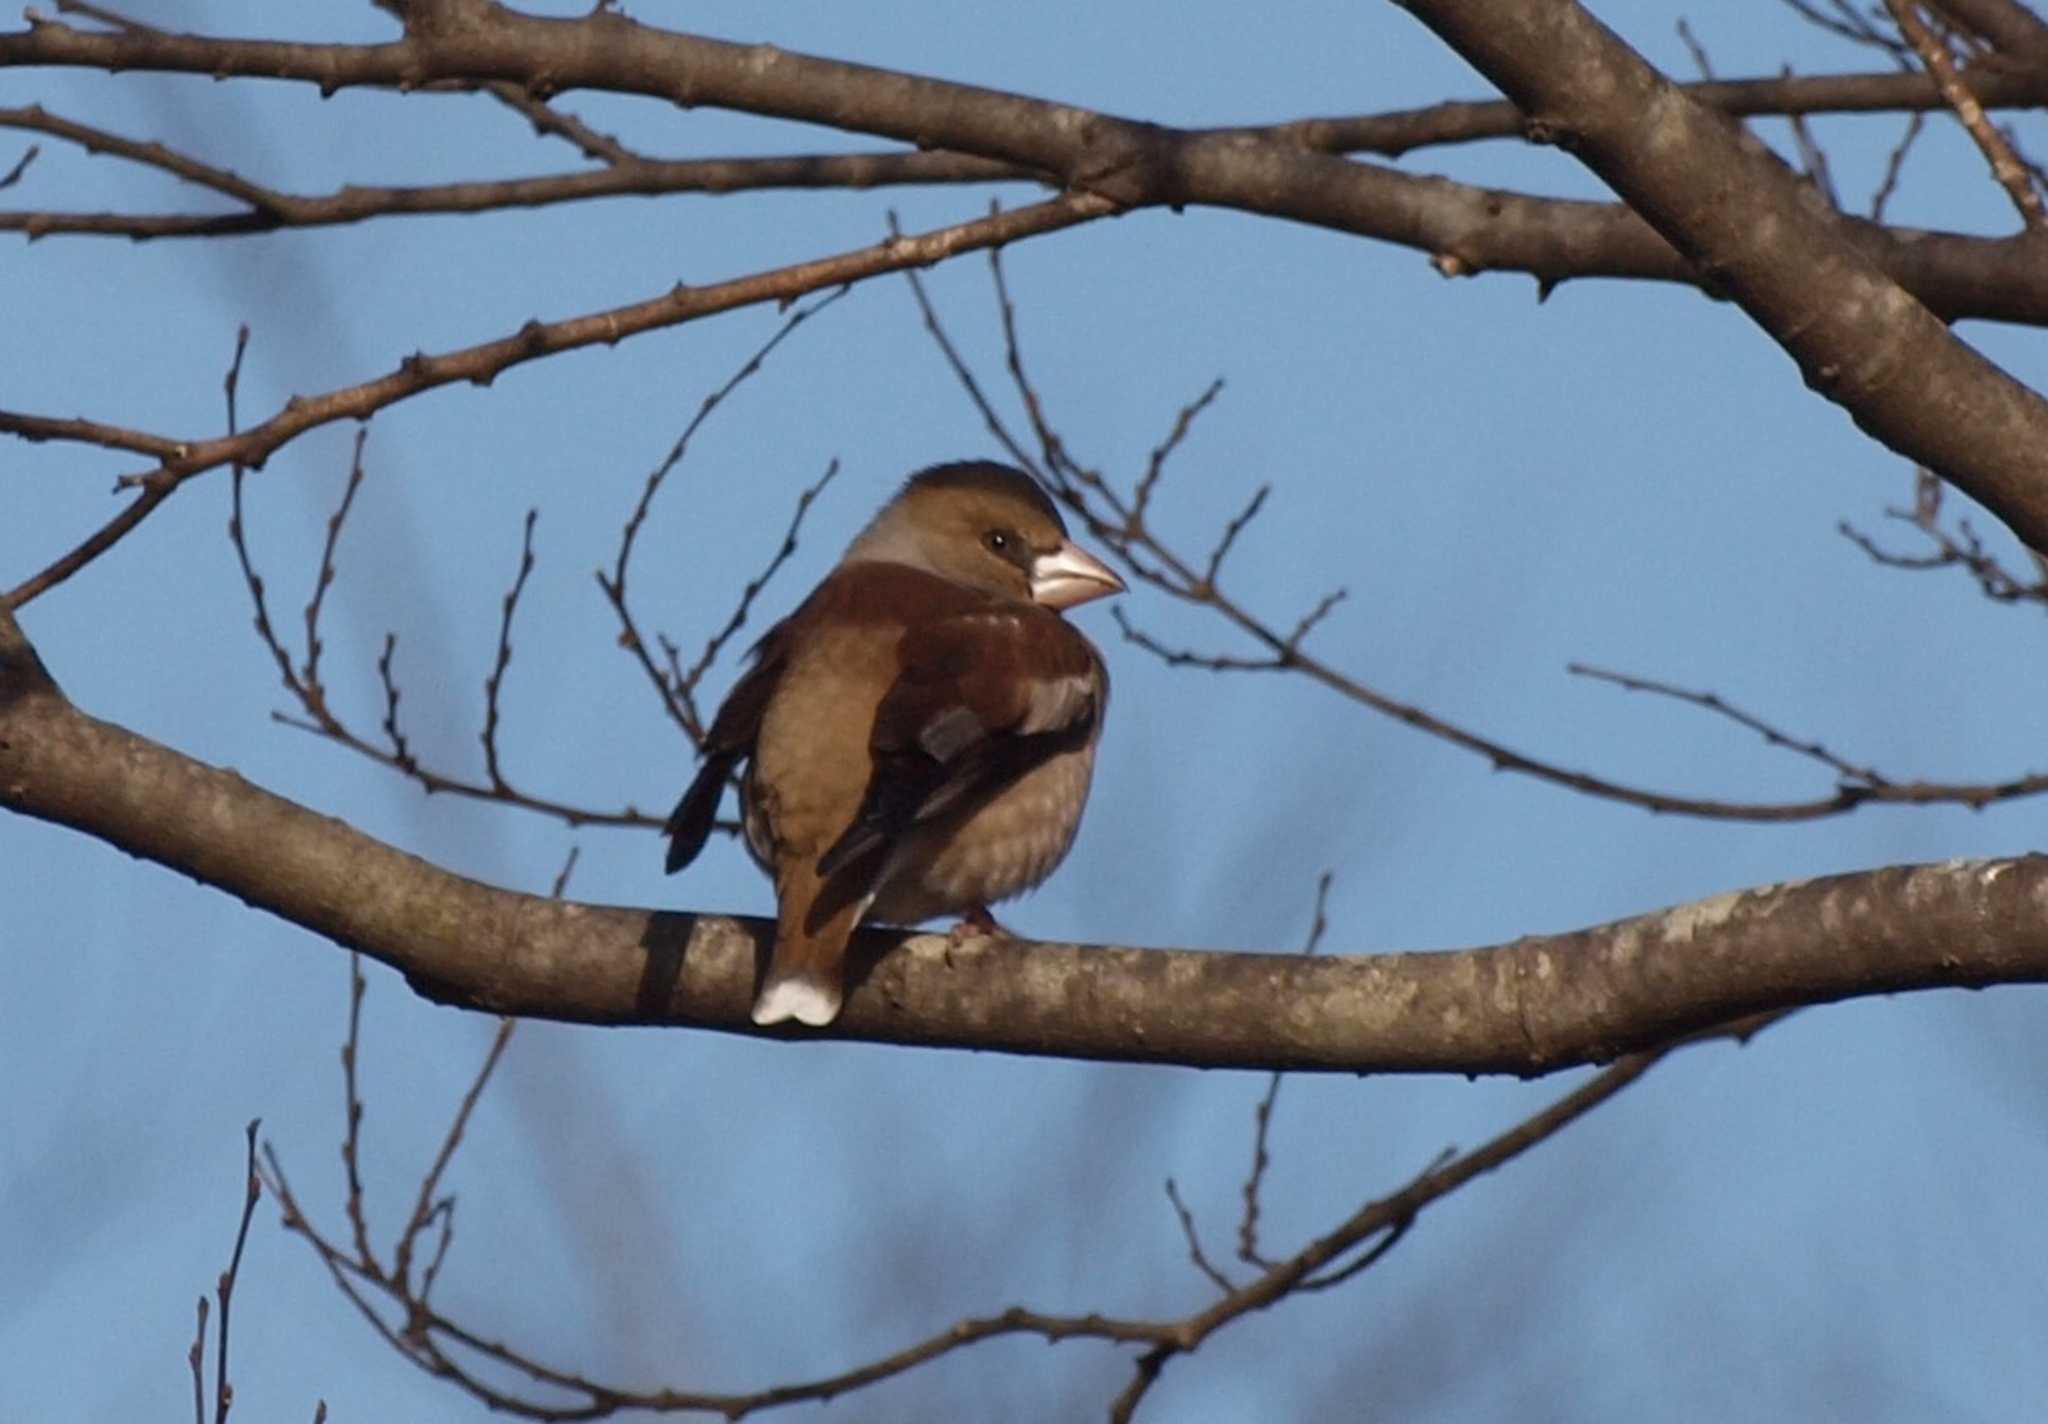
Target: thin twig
(483, 362)
(448, 1350)
(716, 643)
(561, 885)
(963, 373)
(2006, 167)
(309, 674)
(1894, 166)
(1698, 51)
(1962, 549)
(547, 120)
(1155, 466)
(1235, 527)
(352, 1110)
(13, 175)
(304, 684)
(423, 1210)
(1262, 1115)
(1109, 518)
(1713, 702)
(427, 1336)
(37, 429)
(196, 1357)
(1846, 22)
(677, 695)
(105, 16)
(494, 683)
(444, 1212)
(252, 1191)
(1813, 158)
(1193, 1237)
(1374, 1254)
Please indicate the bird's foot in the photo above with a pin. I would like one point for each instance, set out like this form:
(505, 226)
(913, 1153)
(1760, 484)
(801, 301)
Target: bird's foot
(976, 923)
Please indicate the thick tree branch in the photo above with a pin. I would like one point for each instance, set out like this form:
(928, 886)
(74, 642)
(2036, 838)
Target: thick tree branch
(1721, 197)
(1289, 170)
(2014, 30)
(1528, 1007)
(2006, 165)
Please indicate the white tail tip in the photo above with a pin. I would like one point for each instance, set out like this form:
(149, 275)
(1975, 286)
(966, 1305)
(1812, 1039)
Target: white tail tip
(798, 999)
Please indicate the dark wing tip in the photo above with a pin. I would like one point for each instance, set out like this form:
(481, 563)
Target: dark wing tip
(689, 825)
(866, 832)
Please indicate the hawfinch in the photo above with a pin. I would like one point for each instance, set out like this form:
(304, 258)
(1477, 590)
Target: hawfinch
(919, 734)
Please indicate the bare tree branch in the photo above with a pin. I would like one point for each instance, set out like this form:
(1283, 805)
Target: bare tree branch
(1512, 1008)
(224, 1289)
(1120, 521)
(1262, 1115)
(1860, 340)
(2006, 167)
(450, 1350)
(676, 687)
(1713, 702)
(268, 209)
(1289, 170)
(483, 363)
(2009, 27)
(1963, 548)
(675, 684)
(320, 718)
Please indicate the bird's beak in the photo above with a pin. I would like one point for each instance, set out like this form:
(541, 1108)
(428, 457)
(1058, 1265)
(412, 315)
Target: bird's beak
(1071, 575)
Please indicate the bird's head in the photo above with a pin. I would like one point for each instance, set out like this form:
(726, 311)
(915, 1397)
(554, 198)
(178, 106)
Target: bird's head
(987, 527)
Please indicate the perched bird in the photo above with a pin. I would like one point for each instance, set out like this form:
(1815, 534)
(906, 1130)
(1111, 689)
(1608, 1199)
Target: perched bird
(919, 735)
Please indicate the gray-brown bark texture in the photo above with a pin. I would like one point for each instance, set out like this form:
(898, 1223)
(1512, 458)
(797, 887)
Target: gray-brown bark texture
(1527, 1007)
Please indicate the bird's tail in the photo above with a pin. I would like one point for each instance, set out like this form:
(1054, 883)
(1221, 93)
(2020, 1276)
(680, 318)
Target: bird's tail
(806, 978)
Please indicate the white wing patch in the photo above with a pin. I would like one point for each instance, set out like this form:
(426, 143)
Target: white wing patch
(1056, 702)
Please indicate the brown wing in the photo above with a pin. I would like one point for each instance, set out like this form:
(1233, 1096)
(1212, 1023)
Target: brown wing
(981, 697)
(730, 741)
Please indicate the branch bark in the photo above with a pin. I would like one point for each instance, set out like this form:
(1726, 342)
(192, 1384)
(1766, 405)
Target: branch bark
(1756, 231)
(1288, 170)
(1528, 1007)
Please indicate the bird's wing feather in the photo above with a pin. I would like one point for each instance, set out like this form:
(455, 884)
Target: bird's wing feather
(980, 698)
(730, 740)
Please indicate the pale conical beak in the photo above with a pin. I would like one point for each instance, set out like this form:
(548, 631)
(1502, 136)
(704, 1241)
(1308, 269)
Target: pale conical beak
(1071, 575)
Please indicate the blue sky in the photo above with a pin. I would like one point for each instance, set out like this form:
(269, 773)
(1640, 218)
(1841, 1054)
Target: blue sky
(1840, 1218)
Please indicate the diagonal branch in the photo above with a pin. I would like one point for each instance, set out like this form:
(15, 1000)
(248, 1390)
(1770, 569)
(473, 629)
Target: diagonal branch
(483, 363)
(2008, 25)
(1859, 338)
(2006, 167)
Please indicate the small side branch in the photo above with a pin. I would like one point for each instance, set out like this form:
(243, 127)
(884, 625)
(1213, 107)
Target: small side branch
(677, 688)
(495, 683)
(1122, 524)
(1712, 702)
(405, 1317)
(317, 714)
(2006, 167)
(224, 1291)
(483, 363)
(1961, 548)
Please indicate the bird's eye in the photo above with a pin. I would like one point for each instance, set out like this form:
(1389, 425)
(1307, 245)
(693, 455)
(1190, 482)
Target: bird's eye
(996, 541)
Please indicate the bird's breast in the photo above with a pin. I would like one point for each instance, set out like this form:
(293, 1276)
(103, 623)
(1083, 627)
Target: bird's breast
(990, 852)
